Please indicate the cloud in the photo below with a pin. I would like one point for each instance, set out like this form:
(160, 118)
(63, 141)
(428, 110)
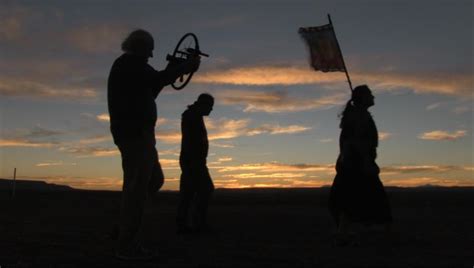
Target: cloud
(36, 132)
(227, 128)
(97, 38)
(223, 129)
(222, 145)
(277, 102)
(433, 106)
(266, 176)
(408, 169)
(96, 139)
(276, 167)
(169, 163)
(224, 159)
(84, 152)
(51, 163)
(168, 136)
(307, 183)
(29, 137)
(326, 140)
(103, 117)
(276, 129)
(231, 128)
(442, 135)
(384, 135)
(40, 132)
(440, 83)
(19, 142)
(22, 87)
(172, 152)
(267, 75)
(272, 183)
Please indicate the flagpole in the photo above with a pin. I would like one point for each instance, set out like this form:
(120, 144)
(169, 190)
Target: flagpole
(340, 52)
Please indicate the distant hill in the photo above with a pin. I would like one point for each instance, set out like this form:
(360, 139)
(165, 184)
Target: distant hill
(29, 185)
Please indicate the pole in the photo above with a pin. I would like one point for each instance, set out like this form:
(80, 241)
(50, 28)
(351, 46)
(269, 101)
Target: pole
(14, 183)
(340, 52)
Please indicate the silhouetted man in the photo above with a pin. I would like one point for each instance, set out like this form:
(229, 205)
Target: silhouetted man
(133, 86)
(196, 184)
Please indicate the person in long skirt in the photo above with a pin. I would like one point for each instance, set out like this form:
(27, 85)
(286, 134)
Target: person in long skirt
(357, 194)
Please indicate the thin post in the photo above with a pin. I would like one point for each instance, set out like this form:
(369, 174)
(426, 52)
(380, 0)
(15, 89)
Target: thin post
(14, 183)
(340, 52)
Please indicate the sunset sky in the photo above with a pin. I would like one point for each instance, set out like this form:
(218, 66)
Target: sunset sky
(275, 121)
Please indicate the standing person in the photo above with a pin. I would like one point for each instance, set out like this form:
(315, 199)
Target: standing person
(357, 194)
(196, 185)
(132, 88)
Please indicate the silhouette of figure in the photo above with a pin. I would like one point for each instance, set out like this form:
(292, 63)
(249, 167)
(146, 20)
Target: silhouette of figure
(196, 185)
(357, 194)
(133, 86)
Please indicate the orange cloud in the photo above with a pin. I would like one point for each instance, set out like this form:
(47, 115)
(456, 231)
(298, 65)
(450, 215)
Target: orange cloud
(442, 135)
(276, 129)
(227, 128)
(169, 136)
(384, 135)
(405, 169)
(169, 163)
(277, 167)
(24, 143)
(266, 176)
(59, 163)
(97, 139)
(84, 152)
(276, 102)
(232, 128)
(441, 83)
(267, 75)
(103, 117)
(326, 140)
(30, 88)
(222, 145)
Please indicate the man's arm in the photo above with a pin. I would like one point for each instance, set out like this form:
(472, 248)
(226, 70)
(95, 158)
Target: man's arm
(174, 70)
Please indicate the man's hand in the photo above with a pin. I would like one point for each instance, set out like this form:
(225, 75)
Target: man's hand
(191, 64)
(179, 67)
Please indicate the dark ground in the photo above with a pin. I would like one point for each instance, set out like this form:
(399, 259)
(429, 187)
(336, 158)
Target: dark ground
(434, 227)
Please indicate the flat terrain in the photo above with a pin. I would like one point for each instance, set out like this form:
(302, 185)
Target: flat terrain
(434, 227)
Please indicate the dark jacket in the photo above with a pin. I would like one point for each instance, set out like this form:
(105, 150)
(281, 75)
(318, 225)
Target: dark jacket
(194, 142)
(132, 88)
(358, 142)
(359, 133)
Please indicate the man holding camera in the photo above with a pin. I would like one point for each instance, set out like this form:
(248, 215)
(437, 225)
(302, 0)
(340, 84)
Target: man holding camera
(133, 86)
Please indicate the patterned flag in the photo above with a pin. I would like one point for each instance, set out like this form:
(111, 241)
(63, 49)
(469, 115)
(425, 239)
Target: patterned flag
(324, 49)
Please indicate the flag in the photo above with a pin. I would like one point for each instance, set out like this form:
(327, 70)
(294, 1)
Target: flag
(324, 48)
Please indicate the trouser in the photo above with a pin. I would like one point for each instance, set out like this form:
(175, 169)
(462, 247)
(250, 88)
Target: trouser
(142, 177)
(195, 191)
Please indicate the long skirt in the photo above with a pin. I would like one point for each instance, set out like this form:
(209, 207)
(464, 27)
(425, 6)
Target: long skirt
(358, 193)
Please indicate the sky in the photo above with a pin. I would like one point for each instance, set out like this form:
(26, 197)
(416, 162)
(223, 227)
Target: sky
(275, 122)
